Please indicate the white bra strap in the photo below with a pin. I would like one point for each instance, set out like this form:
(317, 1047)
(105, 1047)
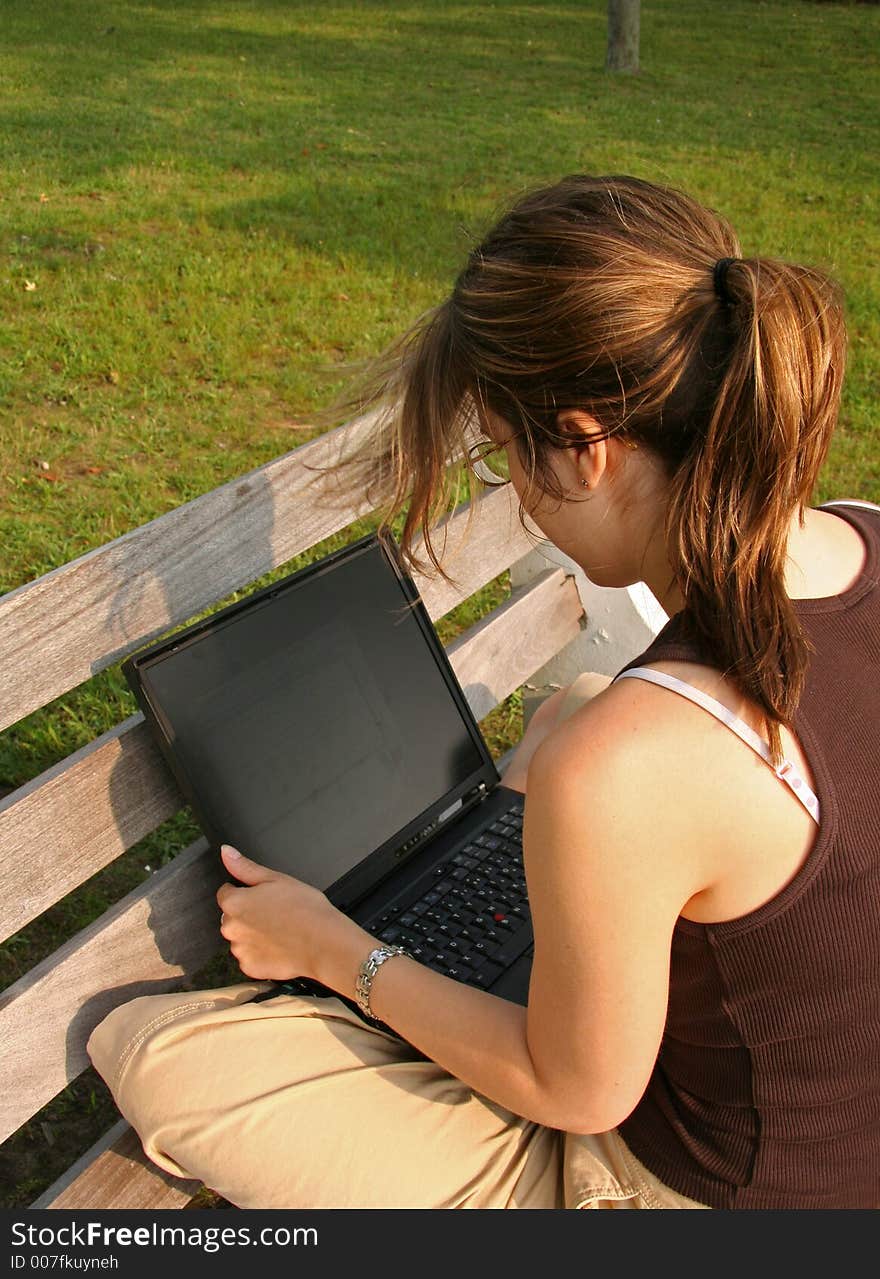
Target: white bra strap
(786, 771)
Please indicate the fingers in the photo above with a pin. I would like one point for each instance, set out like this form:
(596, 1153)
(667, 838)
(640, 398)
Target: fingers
(224, 895)
(247, 872)
(223, 902)
(244, 870)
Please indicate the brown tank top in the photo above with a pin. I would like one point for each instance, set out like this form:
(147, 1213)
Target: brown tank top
(766, 1089)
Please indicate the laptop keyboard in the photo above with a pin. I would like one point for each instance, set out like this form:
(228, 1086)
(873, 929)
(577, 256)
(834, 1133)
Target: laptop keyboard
(472, 921)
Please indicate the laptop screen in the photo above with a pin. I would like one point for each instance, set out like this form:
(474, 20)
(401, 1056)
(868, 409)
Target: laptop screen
(315, 723)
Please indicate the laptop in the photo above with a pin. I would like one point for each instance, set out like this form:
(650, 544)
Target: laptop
(318, 726)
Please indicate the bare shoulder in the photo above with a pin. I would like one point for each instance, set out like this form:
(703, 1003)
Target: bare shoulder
(632, 732)
(826, 555)
(668, 783)
(637, 730)
(625, 765)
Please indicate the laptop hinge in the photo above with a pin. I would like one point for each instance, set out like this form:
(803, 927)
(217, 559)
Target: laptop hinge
(467, 801)
(479, 792)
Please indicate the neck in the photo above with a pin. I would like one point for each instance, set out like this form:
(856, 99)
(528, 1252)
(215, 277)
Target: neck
(656, 572)
(665, 589)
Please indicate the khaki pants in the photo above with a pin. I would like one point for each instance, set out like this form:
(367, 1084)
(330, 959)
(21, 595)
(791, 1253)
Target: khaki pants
(294, 1102)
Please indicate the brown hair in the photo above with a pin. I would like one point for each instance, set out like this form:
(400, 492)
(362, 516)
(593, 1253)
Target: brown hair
(599, 293)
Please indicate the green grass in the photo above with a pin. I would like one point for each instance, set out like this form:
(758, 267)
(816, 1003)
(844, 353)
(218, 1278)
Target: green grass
(221, 203)
(209, 210)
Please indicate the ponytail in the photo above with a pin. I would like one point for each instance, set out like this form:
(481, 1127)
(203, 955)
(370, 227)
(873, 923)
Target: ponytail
(733, 496)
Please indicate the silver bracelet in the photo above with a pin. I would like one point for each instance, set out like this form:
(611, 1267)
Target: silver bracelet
(367, 972)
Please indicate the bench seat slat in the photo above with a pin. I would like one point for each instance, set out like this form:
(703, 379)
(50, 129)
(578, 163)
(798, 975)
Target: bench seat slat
(115, 1173)
(167, 928)
(71, 821)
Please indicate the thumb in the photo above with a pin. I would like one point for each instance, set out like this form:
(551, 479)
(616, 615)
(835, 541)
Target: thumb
(244, 870)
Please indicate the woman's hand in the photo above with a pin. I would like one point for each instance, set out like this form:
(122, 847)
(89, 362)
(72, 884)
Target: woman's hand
(276, 925)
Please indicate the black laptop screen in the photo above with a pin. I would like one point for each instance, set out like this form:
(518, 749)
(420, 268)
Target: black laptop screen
(315, 725)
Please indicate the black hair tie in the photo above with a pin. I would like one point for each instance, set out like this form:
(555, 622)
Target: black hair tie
(719, 279)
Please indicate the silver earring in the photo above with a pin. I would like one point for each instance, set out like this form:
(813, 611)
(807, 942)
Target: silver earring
(585, 484)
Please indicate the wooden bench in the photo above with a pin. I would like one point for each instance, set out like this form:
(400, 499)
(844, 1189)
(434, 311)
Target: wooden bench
(63, 826)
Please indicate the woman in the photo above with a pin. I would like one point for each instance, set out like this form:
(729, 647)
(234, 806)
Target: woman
(703, 1014)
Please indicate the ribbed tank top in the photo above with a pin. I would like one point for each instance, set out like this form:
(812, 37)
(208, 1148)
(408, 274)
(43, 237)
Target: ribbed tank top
(766, 1089)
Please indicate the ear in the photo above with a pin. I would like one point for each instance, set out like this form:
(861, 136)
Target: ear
(589, 459)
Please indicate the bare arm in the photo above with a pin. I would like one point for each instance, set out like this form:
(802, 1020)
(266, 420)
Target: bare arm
(605, 892)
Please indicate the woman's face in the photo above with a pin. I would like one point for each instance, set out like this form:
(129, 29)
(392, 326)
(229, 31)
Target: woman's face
(597, 523)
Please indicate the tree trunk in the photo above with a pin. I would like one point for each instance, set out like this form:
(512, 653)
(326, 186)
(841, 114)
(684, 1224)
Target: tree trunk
(623, 36)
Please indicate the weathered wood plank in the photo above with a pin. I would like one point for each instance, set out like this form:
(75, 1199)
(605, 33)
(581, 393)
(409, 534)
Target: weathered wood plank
(502, 650)
(167, 928)
(69, 624)
(115, 1173)
(474, 553)
(65, 825)
(68, 823)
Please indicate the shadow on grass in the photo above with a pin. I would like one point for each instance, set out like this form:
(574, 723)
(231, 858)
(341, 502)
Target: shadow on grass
(369, 112)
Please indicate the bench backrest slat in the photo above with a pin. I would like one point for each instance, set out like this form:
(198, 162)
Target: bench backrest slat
(71, 623)
(168, 927)
(516, 639)
(64, 826)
